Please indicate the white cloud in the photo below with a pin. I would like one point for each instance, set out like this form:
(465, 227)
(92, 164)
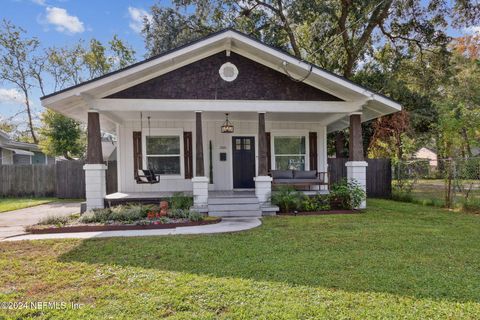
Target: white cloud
(472, 30)
(39, 2)
(11, 96)
(62, 21)
(137, 16)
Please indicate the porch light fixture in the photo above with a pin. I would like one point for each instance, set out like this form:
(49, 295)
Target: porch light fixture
(227, 126)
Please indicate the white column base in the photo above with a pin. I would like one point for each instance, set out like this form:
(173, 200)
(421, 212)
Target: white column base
(357, 171)
(95, 185)
(263, 189)
(200, 192)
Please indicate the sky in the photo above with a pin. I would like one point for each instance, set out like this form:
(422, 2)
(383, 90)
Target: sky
(63, 22)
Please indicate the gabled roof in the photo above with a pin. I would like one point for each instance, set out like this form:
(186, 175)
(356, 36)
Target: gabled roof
(71, 101)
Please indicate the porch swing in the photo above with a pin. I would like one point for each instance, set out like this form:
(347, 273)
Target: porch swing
(147, 176)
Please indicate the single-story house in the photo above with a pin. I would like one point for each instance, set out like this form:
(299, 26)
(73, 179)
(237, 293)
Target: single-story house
(15, 152)
(427, 154)
(217, 116)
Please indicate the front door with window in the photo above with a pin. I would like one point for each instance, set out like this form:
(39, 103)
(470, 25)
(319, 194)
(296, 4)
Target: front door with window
(243, 162)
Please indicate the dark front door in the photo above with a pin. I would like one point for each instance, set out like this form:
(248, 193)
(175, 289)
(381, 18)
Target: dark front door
(243, 162)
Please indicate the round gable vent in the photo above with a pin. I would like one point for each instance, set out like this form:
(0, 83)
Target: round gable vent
(228, 72)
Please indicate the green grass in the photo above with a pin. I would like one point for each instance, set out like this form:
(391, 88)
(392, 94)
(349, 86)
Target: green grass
(395, 261)
(8, 204)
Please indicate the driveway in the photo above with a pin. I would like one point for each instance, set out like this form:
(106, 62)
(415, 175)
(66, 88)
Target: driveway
(13, 222)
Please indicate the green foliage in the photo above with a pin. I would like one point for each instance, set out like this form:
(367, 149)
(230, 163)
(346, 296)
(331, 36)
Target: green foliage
(181, 201)
(287, 199)
(346, 194)
(61, 136)
(123, 213)
(54, 220)
(195, 216)
(315, 203)
(185, 214)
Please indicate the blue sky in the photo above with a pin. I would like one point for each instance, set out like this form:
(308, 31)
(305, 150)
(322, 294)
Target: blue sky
(63, 22)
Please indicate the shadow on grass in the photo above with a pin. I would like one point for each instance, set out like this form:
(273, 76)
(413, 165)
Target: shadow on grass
(395, 248)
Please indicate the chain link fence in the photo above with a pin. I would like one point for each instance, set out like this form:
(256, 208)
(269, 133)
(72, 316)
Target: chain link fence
(450, 183)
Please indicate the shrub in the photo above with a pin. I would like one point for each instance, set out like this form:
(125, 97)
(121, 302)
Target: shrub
(287, 199)
(54, 220)
(195, 216)
(129, 212)
(319, 202)
(96, 216)
(178, 214)
(122, 213)
(471, 205)
(180, 201)
(346, 194)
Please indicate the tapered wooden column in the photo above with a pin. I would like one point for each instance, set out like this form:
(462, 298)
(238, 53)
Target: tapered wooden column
(356, 140)
(95, 183)
(94, 146)
(262, 146)
(199, 170)
(356, 166)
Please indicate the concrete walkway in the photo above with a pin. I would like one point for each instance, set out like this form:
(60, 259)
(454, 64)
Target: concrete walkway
(226, 225)
(14, 222)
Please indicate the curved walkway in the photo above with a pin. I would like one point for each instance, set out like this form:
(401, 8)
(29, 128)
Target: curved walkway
(226, 225)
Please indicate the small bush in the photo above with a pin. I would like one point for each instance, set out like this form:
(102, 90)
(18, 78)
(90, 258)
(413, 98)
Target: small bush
(471, 205)
(129, 212)
(180, 201)
(96, 216)
(319, 202)
(179, 214)
(54, 220)
(195, 216)
(346, 194)
(287, 199)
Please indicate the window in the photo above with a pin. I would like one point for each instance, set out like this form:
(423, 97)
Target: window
(289, 152)
(163, 154)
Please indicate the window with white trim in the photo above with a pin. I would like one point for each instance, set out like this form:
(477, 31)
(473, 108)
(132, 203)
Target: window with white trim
(289, 152)
(164, 154)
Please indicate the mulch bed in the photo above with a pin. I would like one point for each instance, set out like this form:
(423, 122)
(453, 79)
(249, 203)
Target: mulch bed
(118, 227)
(319, 213)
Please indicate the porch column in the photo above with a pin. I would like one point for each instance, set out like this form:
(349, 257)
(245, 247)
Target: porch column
(356, 165)
(199, 181)
(95, 184)
(263, 182)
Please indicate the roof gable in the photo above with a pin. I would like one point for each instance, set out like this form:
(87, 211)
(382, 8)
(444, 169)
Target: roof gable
(201, 80)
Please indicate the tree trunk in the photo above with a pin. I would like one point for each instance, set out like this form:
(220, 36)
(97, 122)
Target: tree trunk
(30, 118)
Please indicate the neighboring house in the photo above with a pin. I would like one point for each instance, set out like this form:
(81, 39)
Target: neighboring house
(14, 152)
(281, 109)
(427, 154)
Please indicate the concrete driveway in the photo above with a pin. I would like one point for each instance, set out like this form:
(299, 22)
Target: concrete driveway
(13, 222)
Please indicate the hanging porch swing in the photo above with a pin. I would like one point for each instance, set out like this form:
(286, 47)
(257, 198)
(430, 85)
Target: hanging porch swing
(146, 176)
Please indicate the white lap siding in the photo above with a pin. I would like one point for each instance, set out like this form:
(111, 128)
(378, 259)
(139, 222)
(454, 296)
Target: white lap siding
(221, 143)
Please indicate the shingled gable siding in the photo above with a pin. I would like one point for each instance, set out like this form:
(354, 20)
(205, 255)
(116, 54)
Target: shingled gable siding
(201, 80)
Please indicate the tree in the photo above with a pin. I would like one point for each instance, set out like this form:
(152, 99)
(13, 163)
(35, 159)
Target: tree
(61, 136)
(70, 66)
(17, 60)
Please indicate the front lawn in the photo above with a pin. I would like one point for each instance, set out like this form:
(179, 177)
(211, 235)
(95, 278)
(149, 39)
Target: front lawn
(9, 204)
(396, 260)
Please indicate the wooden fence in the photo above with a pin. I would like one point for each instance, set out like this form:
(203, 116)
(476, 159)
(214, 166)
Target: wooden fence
(379, 175)
(19, 180)
(64, 179)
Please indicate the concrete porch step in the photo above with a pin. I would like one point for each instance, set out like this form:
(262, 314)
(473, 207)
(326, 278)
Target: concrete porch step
(234, 207)
(232, 200)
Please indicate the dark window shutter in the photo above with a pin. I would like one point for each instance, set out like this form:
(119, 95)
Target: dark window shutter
(137, 152)
(312, 143)
(188, 154)
(269, 152)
